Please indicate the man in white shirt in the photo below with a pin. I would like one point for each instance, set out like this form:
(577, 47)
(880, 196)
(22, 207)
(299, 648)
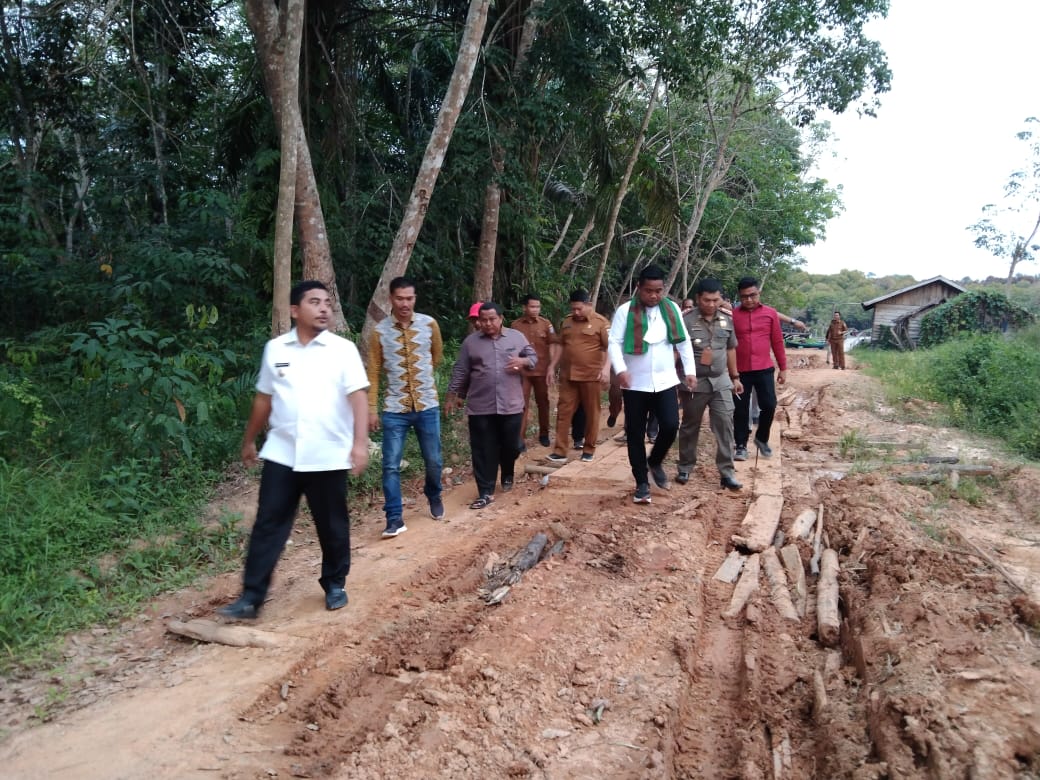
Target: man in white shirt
(644, 335)
(312, 397)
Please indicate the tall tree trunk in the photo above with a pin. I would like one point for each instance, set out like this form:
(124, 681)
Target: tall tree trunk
(263, 19)
(290, 111)
(615, 209)
(1020, 252)
(720, 165)
(484, 272)
(26, 136)
(415, 211)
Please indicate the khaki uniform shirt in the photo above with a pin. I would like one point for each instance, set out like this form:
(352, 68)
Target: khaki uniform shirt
(540, 334)
(583, 345)
(718, 334)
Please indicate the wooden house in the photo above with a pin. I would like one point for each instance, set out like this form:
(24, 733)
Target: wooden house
(902, 310)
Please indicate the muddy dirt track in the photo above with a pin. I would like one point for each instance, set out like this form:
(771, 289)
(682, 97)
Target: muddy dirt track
(610, 658)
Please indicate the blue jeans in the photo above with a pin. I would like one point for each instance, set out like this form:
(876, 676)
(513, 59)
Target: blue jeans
(427, 425)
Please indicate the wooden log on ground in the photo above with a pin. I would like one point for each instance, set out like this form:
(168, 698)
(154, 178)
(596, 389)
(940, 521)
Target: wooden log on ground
(235, 636)
(534, 468)
(778, 591)
(990, 560)
(796, 573)
(730, 568)
(827, 619)
(759, 526)
(746, 586)
(801, 527)
(527, 557)
(814, 562)
(819, 696)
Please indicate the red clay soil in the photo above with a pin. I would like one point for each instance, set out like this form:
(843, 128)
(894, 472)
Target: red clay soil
(611, 657)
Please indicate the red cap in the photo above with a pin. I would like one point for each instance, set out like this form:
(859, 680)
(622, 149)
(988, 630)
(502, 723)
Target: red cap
(474, 310)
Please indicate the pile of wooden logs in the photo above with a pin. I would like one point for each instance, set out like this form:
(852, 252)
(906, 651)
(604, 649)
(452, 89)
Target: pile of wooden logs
(760, 545)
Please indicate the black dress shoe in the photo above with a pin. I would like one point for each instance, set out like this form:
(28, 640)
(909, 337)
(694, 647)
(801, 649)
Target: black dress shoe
(659, 477)
(730, 483)
(243, 609)
(336, 598)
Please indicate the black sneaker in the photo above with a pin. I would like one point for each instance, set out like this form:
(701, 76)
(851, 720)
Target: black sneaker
(586, 457)
(642, 494)
(764, 449)
(242, 609)
(579, 443)
(336, 598)
(730, 483)
(660, 478)
(740, 453)
(394, 527)
(682, 477)
(437, 508)
(544, 441)
(554, 458)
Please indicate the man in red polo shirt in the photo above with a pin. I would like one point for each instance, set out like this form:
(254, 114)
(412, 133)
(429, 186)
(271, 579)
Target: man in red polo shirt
(757, 327)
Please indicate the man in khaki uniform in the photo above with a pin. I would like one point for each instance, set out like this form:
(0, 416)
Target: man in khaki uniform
(836, 333)
(540, 335)
(584, 371)
(715, 353)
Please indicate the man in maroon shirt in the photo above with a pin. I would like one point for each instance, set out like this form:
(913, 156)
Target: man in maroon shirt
(757, 327)
(487, 378)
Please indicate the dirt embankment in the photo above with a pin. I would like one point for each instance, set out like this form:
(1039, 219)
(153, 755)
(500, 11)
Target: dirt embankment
(611, 658)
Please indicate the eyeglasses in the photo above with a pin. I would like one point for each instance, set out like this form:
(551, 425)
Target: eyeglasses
(748, 296)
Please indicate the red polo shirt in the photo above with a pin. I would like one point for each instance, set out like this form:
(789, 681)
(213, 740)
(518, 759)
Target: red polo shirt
(758, 331)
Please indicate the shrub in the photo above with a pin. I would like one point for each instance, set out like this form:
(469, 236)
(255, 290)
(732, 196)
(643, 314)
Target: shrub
(981, 311)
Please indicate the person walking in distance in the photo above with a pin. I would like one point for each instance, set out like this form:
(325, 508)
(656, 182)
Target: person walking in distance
(644, 334)
(312, 398)
(584, 371)
(836, 333)
(715, 351)
(758, 334)
(405, 349)
(541, 335)
(487, 378)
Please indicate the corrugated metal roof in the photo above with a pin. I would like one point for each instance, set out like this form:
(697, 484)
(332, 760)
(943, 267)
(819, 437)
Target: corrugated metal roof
(872, 303)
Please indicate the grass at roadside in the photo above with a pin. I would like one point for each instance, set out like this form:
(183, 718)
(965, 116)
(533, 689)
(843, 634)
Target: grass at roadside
(73, 553)
(989, 384)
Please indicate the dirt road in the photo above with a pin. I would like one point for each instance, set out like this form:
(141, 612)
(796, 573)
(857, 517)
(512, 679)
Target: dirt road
(611, 658)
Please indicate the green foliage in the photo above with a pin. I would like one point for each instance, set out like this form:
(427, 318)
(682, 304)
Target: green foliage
(75, 550)
(972, 312)
(986, 383)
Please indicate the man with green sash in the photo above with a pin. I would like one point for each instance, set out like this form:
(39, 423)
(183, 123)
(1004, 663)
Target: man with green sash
(644, 335)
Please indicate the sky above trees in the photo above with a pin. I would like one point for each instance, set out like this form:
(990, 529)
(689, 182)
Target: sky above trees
(943, 143)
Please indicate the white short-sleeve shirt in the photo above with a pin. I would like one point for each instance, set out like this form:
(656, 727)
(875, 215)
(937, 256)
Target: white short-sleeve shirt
(311, 427)
(654, 370)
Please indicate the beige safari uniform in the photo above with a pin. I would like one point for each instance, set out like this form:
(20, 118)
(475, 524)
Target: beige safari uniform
(714, 391)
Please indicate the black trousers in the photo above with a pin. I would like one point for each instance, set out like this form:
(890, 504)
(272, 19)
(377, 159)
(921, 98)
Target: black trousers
(494, 441)
(280, 491)
(639, 406)
(763, 384)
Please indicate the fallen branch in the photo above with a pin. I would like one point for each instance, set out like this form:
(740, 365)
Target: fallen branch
(534, 468)
(235, 636)
(827, 600)
(990, 560)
